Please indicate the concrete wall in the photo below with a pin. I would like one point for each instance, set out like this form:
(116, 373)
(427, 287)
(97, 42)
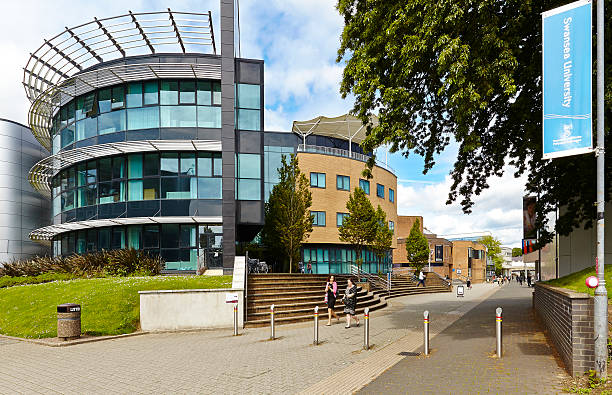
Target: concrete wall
(188, 309)
(22, 209)
(568, 317)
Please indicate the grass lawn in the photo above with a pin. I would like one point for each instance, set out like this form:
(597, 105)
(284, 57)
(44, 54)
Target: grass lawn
(575, 281)
(110, 306)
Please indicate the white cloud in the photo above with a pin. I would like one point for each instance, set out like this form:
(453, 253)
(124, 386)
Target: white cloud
(498, 209)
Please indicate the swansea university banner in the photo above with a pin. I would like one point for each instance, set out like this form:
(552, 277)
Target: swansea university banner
(566, 76)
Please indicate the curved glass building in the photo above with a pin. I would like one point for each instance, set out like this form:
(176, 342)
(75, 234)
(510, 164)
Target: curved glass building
(157, 140)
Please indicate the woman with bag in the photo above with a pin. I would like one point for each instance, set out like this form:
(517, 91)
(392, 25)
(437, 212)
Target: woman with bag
(350, 302)
(331, 290)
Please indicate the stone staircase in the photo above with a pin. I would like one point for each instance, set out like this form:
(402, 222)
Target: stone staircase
(295, 296)
(404, 285)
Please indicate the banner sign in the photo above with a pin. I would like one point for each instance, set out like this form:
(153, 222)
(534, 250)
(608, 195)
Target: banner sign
(528, 246)
(529, 217)
(566, 80)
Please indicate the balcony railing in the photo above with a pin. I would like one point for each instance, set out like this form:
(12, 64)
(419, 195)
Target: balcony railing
(317, 149)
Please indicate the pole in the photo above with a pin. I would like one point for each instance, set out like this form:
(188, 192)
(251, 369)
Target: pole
(366, 329)
(498, 331)
(272, 334)
(316, 326)
(426, 331)
(600, 304)
(235, 319)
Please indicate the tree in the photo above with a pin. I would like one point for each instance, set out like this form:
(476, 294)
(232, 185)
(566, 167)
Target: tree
(468, 72)
(360, 226)
(493, 251)
(288, 222)
(383, 238)
(517, 252)
(417, 247)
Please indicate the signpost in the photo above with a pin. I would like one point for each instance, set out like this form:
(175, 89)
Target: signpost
(567, 120)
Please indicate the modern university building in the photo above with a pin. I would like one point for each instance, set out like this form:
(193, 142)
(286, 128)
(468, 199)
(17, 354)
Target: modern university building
(156, 141)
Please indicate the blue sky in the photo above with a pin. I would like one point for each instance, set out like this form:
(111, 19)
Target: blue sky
(298, 41)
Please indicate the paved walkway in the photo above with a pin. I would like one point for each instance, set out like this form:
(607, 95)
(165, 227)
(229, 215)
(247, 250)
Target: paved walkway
(463, 362)
(216, 362)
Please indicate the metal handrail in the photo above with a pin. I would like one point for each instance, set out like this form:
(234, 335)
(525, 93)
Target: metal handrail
(374, 279)
(318, 149)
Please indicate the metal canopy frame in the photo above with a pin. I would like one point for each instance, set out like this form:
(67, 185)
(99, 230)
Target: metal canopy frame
(41, 173)
(47, 233)
(101, 40)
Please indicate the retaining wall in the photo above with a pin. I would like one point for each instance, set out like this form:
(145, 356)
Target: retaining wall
(568, 317)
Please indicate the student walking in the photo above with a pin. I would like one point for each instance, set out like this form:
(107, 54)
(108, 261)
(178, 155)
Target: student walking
(331, 291)
(421, 278)
(529, 280)
(350, 302)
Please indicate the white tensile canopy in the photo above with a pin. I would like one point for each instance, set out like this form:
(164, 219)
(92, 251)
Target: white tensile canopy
(345, 126)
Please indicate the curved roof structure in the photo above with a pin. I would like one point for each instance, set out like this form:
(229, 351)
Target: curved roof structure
(48, 232)
(41, 173)
(345, 126)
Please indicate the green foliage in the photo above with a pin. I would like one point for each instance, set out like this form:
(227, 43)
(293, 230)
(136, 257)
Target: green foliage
(517, 252)
(494, 251)
(288, 222)
(575, 281)
(383, 238)
(417, 247)
(110, 306)
(126, 262)
(359, 228)
(6, 281)
(447, 71)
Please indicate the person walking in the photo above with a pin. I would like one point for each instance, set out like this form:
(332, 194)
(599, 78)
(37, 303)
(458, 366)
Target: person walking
(331, 290)
(309, 268)
(520, 280)
(350, 302)
(469, 283)
(529, 280)
(421, 278)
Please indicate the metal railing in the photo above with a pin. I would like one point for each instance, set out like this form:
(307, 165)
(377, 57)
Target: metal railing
(373, 279)
(318, 149)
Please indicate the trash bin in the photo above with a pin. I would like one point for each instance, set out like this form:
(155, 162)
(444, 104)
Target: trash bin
(69, 321)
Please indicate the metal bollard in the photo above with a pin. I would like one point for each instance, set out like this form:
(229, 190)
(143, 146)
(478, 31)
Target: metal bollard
(316, 326)
(235, 319)
(498, 331)
(272, 334)
(426, 331)
(366, 328)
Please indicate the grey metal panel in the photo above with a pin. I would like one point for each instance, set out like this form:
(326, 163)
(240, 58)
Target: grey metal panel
(9, 232)
(249, 72)
(14, 246)
(249, 142)
(9, 155)
(9, 207)
(250, 212)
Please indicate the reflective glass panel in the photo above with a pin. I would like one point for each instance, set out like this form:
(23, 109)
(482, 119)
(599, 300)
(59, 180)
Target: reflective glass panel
(205, 164)
(178, 116)
(204, 93)
(118, 240)
(188, 236)
(135, 191)
(135, 166)
(217, 166)
(249, 96)
(111, 122)
(169, 93)
(248, 119)
(209, 117)
(216, 93)
(67, 136)
(111, 192)
(80, 114)
(249, 166)
(86, 128)
(118, 99)
(169, 236)
(187, 92)
(81, 175)
(150, 93)
(150, 188)
(133, 239)
(188, 164)
(151, 164)
(119, 167)
(209, 188)
(105, 172)
(249, 189)
(169, 164)
(104, 236)
(104, 100)
(150, 237)
(87, 195)
(134, 95)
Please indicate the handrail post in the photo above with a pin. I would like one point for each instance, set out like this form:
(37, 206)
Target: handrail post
(235, 319)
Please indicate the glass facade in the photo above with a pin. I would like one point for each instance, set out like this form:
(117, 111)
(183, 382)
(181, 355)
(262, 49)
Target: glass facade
(138, 177)
(248, 177)
(137, 106)
(248, 107)
(182, 246)
(328, 259)
(272, 162)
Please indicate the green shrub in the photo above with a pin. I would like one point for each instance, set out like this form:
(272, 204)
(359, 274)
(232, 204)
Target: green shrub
(105, 263)
(6, 281)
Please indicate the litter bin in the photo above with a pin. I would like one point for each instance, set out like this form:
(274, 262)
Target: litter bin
(69, 321)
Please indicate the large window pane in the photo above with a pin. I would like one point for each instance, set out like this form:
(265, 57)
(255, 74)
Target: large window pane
(80, 114)
(216, 93)
(209, 117)
(204, 93)
(217, 165)
(143, 118)
(119, 167)
(249, 166)
(178, 116)
(67, 200)
(105, 173)
(118, 240)
(249, 96)
(170, 236)
(104, 236)
(135, 191)
(81, 175)
(133, 239)
(150, 188)
(209, 188)
(188, 164)
(249, 189)
(86, 128)
(188, 236)
(169, 164)
(150, 237)
(169, 92)
(118, 99)
(71, 111)
(175, 188)
(248, 119)
(134, 95)
(151, 165)
(104, 100)
(150, 93)
(135, 166)
(87, 195)
(205, 165)
(111, 122)
(111, 192)
(187, 92)
(67, 136)
(92, 172)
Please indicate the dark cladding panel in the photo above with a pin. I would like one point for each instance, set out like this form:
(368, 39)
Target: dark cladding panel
(249, 72)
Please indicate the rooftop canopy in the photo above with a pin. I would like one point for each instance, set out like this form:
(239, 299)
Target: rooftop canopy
(345, 126)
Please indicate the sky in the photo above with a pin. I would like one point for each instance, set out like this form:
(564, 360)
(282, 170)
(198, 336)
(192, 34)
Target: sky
(298, 40)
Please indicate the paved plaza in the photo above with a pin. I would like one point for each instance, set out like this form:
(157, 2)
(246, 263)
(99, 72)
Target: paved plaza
(216, 362)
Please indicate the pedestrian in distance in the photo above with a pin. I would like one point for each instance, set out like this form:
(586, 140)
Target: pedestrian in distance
(350, 302)
(469, 283)
(529, 280)
(309, 268)
(421, 278)
(520, 280)
(331, 290)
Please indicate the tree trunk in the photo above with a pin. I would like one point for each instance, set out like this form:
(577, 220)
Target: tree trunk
(290, 263)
